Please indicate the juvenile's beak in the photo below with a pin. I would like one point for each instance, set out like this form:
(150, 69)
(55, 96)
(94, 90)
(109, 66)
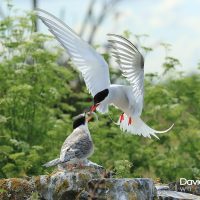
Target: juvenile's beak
(89, 118)
(94, 107)
(91, 115)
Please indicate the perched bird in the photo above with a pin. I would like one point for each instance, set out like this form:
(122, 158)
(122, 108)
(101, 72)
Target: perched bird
(95, 72)
(78, 146)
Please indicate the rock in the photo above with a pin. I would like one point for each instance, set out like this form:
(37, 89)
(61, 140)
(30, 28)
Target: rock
(82, 184)
(15, 188)
(173, 195)
(193, 189)
(87, 183)
(122, 189)
(65, 185)
(164, 193)
(60, 185)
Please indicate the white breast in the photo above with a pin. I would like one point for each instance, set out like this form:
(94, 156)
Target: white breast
(121, 96)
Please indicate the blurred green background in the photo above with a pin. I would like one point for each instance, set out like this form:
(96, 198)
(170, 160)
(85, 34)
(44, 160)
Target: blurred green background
(40, 92)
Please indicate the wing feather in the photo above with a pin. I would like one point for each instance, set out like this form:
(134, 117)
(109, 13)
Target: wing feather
(76, 145)
(131, 64)
(92, 65)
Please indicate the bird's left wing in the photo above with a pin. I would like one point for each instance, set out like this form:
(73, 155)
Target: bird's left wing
(131, 64)
(92, 65)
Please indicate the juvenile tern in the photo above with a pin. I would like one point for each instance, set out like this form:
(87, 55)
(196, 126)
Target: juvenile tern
(78, 146)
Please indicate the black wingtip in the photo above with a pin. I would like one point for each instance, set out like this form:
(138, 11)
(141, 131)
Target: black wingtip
(40, 10)
(112, 34)
(109, 34)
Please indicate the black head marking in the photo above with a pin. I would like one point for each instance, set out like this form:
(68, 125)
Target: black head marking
(79, 120)
(142, 62)
(100, 96)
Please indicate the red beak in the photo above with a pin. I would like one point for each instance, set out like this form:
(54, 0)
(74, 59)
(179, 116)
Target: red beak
(93, 108)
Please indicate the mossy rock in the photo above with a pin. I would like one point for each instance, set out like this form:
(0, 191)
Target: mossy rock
(129, 189)
(79, 184)
(15, 189)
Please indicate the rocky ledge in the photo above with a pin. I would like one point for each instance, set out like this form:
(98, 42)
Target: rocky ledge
(164, 192)
(88, 183)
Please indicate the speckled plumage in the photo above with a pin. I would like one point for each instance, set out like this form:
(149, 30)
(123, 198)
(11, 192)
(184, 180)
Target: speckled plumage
(77, 146)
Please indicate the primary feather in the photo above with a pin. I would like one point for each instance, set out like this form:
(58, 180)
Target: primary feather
(91, 64)
(131, 64)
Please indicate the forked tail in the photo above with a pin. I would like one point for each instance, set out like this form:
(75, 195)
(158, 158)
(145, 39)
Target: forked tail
(138, 127)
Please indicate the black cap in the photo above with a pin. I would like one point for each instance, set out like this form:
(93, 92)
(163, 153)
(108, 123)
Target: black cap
(78, 120)
(100, 96)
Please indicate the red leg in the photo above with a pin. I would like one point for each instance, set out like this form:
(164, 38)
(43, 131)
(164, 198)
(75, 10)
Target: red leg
(129, 121)
(121, 118)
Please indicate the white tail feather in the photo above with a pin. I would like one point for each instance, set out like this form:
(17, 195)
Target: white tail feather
(138, 127)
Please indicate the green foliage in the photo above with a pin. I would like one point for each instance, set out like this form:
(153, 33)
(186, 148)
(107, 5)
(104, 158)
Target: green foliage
(170, 63)
(122, 168)
(38, 99)
(2, 190)
(34, 196)
(127, 34)
(35, 99)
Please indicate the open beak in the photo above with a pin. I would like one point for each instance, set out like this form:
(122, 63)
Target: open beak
(91, 115)
(89, 118)
(94, 107)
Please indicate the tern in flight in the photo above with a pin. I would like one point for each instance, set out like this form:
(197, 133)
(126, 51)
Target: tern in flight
(95, 71)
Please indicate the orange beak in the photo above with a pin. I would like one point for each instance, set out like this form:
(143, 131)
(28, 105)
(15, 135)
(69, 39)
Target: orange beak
(94, 107)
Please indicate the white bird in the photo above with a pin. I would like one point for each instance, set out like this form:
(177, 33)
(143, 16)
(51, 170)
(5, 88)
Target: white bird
(95, 72)
(78, 146)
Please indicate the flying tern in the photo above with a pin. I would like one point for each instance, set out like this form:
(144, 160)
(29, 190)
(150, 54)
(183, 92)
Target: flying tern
(95, 71)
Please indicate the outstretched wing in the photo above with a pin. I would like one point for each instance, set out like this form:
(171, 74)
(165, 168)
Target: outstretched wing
(131, 64)
(91, 64)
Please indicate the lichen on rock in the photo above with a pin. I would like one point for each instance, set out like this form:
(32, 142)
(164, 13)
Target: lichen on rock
(122, 189)
(83, 184)
(15, 188)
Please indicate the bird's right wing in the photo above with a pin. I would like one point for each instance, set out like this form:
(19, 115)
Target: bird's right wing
(131, 64)
(92, 65)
